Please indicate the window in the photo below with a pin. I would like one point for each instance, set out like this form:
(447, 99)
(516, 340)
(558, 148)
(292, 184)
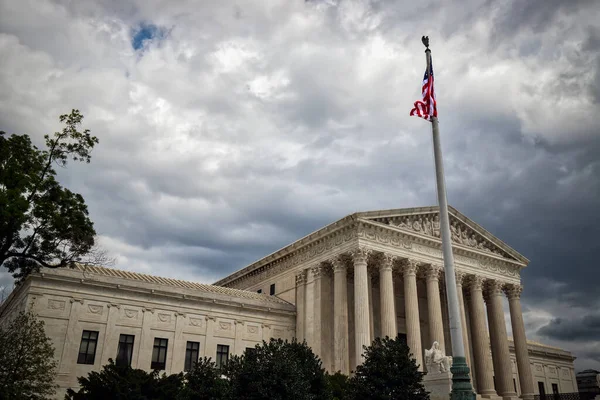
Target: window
(222, 354)
(250, 351)
(125, 350)
(192, 349)
(159, 353)
(515, 385)
(555, 389)
(272, 289)
(87, 348)
(542, 390)
(259, 291)
(402, 337)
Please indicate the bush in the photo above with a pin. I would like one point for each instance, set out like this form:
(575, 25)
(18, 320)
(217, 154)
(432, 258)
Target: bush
(278, 370)
(388, 372)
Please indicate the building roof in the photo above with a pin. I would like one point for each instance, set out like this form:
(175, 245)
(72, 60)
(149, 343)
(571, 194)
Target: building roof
(89, 272)
(375, 217)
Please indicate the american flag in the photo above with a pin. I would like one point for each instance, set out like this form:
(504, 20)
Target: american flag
(427, 107)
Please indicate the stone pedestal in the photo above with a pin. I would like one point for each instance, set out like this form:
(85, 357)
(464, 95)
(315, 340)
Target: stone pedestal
(438, 384)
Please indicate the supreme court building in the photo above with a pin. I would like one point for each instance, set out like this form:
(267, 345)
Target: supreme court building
(370, 274)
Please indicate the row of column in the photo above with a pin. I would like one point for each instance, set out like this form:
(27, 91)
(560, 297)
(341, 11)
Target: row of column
(477, 288)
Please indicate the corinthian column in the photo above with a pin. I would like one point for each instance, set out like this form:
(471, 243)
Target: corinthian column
(481, 345)
(513, 293)
(300, 305)
(463, 318)
(317, 272)
(386, 296)
(499, 339)
(411, 301)
(434, 305)
(340, 316)
(361, 302)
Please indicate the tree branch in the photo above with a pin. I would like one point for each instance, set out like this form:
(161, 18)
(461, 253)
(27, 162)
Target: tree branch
(63, 263)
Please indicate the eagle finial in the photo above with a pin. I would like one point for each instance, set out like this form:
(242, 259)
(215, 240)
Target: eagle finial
(425, 40)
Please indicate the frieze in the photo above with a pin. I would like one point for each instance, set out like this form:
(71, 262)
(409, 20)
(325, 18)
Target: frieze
(252, 329)
(129, 313)
(196, 322)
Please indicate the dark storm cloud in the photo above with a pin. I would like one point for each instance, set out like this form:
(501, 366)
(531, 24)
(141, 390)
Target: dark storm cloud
(585, 328)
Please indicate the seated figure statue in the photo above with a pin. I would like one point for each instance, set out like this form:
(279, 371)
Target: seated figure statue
(436, 360)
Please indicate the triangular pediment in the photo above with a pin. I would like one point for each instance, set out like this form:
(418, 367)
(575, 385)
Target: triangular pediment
(465, 232)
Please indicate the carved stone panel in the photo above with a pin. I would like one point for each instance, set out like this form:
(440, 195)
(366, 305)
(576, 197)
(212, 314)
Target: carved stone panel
(131, 314)
(56, 304)
(96, 309)
(164, 317)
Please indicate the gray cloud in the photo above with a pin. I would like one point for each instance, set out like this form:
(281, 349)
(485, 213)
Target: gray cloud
(586, 328)
(252, 124)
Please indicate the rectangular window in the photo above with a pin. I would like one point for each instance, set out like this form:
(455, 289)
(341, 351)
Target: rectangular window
(125, 350)
(515, 385)
(192, 349)
(250, 351)
(87, 348)
(159, 353)
(555, 388)
(272, 289)
(402, 337)
(222, 354)
(542, 390)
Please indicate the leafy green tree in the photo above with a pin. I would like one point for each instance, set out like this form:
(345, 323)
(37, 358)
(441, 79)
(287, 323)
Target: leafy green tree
(338, 384)
(27, 364)
(278, 370)
(388, 372)
(41, 222)
(125, 383)
(204, 382)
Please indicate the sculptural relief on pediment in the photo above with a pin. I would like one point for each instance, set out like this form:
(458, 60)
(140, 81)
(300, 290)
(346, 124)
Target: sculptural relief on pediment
(429, 225)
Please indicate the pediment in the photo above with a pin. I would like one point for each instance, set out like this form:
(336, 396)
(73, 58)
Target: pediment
(464, 231)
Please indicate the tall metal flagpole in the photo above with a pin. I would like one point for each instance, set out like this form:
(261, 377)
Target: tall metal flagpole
(461, 381)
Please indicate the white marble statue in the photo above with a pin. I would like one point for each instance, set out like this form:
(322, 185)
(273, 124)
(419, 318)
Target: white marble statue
(436, 360)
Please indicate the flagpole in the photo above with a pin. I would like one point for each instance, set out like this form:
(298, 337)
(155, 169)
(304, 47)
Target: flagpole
(461, 381)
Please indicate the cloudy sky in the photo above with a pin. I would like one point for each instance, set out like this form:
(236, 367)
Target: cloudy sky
(229, 129)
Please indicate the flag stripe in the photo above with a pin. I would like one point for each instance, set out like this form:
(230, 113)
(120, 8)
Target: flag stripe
(427, 107)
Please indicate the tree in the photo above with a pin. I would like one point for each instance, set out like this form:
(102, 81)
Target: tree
(42, 223)
(338, 384)
(125, 383)
(204, 382)
(27, 364)
(278, 370)
(388, 372)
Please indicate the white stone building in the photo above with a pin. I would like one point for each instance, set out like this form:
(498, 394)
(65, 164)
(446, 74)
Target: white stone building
(367, 275)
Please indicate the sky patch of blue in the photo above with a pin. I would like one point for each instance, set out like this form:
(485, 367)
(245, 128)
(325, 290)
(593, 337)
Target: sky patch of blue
(144, 33)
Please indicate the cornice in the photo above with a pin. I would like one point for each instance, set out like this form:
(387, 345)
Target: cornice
(362, 226)
(176, 293)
